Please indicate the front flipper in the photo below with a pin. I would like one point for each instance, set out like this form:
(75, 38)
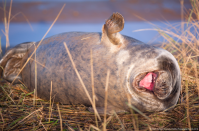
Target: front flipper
(110, 110)
(10, 64)
(114, 25)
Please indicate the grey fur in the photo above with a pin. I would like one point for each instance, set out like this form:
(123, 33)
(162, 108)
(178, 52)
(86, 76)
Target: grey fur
(126, 61)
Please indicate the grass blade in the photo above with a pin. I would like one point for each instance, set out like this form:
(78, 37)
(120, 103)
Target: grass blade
(138, 111)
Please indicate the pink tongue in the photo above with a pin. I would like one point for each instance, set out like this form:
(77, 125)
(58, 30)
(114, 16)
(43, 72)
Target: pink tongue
(148, 81)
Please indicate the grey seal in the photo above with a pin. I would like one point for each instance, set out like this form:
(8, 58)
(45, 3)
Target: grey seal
(148, 74)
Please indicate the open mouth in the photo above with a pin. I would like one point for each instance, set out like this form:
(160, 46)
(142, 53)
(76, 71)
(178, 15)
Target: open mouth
(145, 81)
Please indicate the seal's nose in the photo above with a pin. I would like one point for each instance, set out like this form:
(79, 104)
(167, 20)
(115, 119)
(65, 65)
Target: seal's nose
(163, 85)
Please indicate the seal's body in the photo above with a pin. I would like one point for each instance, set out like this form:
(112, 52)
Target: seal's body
(149, 75)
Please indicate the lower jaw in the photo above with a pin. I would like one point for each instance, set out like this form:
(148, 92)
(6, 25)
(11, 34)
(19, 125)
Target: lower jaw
(150, 104)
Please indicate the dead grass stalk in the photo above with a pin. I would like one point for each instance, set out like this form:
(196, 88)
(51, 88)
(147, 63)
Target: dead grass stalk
(93, 88)
(84, 87)
(39, 42)
(61, 126)
(105, 100)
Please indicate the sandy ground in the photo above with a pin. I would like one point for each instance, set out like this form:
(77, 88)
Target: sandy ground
(96, 12)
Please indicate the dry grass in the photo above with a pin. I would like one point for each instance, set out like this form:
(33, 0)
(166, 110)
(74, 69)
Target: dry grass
(23, 115)
(17, 111)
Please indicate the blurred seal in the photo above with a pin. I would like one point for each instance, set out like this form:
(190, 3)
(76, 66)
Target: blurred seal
(149, 75)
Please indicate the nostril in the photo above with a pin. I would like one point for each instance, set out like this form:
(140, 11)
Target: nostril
(161, 91)
(163, 84)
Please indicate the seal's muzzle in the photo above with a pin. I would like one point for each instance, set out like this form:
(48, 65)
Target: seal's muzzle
(156, 82)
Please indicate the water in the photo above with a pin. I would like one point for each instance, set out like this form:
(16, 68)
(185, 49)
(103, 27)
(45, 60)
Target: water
(55, 0)
(22, 32)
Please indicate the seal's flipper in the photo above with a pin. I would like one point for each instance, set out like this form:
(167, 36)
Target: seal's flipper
(109, 110)
(10, 64)
(114, 25)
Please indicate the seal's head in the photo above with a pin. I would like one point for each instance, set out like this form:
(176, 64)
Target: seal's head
(150, 75)
(154, 82)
